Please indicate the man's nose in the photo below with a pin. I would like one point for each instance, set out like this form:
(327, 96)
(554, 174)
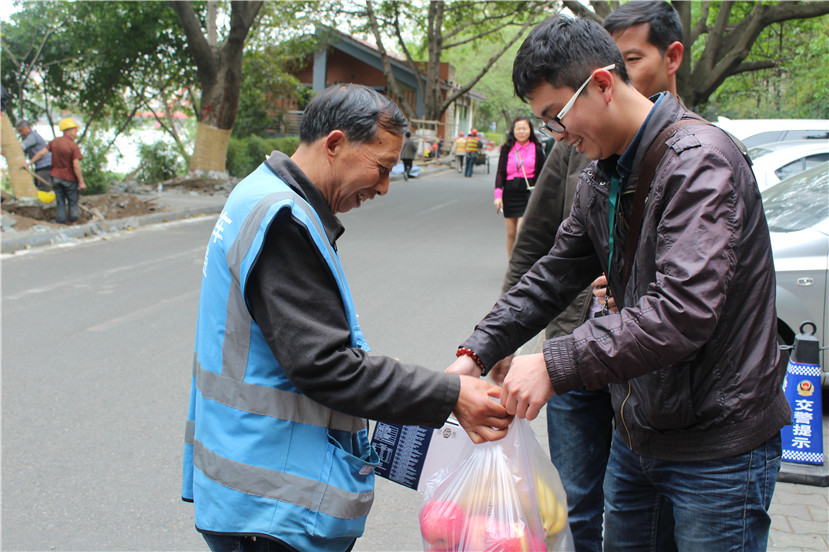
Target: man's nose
(383, 186)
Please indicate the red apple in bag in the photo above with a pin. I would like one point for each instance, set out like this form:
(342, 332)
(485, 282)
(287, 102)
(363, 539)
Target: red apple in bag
(442, 523)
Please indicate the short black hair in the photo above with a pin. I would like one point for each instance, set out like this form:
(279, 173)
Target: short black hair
(355, 109)
(564, 52)
(665, 26)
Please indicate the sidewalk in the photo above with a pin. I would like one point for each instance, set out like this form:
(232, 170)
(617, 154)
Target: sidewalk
(174, 206)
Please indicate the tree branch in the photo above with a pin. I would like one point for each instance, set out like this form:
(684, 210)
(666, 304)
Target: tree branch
(207, 65)
(387, 69)
(466, 88)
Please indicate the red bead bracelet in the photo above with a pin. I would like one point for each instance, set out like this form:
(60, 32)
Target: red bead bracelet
(463, 351)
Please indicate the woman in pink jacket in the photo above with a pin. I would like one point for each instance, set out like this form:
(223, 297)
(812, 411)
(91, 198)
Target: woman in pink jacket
(522, 157)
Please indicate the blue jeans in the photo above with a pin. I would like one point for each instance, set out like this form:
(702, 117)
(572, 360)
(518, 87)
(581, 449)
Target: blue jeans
(580, 426)
(66, 198)
(470, 164)
(715, 505)
(239, 543)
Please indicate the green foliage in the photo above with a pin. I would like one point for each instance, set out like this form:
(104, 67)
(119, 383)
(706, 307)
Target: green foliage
(501, 106)
(798, 87)
(93, 165)
(101, 60)
(159, 161)
(245, 154)
(266, 78)
(497, 137)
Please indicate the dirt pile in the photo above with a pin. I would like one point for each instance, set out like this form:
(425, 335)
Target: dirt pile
(25, 214)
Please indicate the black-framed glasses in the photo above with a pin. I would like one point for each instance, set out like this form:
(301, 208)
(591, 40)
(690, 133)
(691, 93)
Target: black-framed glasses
(555, 124)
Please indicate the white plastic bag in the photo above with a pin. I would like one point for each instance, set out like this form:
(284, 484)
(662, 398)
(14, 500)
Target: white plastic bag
(505, 496)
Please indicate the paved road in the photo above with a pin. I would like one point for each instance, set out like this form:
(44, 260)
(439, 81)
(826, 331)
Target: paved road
(96, 352)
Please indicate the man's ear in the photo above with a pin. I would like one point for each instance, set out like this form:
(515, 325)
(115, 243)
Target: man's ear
(673, 56)
(334, 143)
(605, 83)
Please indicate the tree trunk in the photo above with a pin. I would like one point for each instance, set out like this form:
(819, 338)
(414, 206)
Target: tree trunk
(22, 183)
(220, 76)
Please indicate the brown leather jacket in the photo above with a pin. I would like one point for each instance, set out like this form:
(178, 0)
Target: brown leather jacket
(692, 358)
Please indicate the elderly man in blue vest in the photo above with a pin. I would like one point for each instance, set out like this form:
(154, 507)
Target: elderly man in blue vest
(277, 455)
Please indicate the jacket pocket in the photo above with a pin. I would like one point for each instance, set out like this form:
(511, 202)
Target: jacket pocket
(669, 398)
(346, 490)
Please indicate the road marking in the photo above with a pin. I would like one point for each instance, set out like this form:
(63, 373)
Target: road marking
(85, 280)
(140, 313)
(436, 207)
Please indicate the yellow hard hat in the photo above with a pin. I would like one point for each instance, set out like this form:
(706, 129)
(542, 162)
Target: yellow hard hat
(46, 197)
(66, 124)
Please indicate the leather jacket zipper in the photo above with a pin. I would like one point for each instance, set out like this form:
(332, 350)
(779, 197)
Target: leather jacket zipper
(622, 416)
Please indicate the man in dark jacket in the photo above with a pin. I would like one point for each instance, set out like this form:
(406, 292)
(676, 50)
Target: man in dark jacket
(691, 356)
(580, 423)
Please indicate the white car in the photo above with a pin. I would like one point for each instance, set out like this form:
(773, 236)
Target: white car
(779, 160)
(754, 132)
(797, 211)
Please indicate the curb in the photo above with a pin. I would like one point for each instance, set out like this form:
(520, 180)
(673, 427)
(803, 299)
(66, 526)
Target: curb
(12, 244)
(816, 476)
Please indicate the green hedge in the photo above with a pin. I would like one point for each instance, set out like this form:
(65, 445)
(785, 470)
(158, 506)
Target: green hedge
(497, 137)
(245, 154)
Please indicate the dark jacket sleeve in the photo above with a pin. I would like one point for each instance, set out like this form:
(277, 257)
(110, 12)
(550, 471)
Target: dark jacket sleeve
(549, 205)
(295, 301)
(540, 295)
(501, 173)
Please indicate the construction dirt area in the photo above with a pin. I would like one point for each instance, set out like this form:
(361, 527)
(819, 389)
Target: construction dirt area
(23, 215)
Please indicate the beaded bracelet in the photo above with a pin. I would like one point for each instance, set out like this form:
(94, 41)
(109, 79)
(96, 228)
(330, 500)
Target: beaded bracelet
(471, 354)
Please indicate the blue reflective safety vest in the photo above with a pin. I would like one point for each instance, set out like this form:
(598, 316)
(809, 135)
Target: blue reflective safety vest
(260, 457)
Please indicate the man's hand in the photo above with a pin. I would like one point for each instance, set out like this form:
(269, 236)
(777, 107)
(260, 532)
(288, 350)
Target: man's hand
(499, 371)
(600, 293)
(464, 366)
(482, 418)
(527, 386)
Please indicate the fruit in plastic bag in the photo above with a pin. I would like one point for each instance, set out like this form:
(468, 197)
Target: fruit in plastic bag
(553, 512)
(510, 496)
(487, 534)
(442, 523)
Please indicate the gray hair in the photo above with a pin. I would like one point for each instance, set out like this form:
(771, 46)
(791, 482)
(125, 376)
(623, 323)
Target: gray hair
(22, 123)
(354, 109)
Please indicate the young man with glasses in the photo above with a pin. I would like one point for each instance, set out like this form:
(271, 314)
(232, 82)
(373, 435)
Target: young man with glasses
(580, 423)
(691, 357)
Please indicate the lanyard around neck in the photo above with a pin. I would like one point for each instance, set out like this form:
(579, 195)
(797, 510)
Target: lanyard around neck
(613, 197)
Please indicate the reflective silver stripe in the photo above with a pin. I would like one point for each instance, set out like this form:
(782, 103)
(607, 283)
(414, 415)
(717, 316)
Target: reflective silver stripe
(293, 489)
(275, 403)
(229, 388)
(236, 344)
(190, 432)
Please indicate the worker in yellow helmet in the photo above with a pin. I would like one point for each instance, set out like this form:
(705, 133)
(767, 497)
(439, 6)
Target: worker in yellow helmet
(67, 177)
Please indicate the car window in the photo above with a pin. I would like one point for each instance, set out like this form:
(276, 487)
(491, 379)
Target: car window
(806, 135)
(757, 151)
(799, 202)
(815, 160)
(762, 138)
(791, 169)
